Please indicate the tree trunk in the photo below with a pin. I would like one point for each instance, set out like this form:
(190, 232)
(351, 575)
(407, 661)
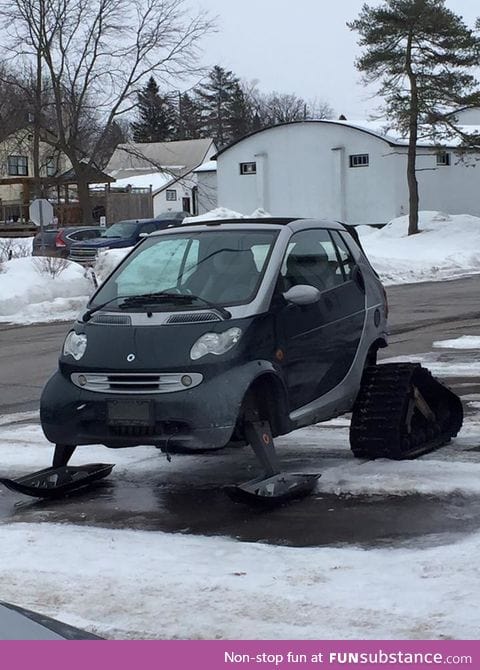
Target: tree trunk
(37, 124)
(84, 198)
(412, 144)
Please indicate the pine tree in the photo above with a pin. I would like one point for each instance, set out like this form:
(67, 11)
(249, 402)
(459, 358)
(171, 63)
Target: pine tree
(420, 53)
(240, 115)
(157, 115)
(189, 124)
(215, 98)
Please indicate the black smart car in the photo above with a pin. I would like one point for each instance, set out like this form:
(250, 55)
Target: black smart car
(237, 331)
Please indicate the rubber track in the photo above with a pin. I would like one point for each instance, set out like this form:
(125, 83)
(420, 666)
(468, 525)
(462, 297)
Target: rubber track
(386, 422)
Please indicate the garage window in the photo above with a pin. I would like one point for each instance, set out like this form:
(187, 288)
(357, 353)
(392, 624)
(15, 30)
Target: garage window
(248, 168)
(359, 160)
(443, 158)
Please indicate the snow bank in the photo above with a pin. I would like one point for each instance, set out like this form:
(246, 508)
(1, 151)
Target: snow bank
(224, 213)
(446, 247)
(30, 295)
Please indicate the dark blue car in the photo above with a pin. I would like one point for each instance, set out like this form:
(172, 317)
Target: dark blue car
(123, 234)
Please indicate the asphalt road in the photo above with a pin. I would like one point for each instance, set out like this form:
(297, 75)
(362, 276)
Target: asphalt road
(186, 495)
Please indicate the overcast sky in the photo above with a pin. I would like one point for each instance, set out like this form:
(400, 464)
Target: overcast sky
(301, 47)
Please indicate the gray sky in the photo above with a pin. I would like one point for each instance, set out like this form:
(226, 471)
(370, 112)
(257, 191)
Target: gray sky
(301, 47)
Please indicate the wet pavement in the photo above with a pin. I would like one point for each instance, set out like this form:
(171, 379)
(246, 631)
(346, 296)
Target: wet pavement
(319, 520)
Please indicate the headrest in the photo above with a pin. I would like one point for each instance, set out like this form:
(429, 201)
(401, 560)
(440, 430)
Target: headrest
(228, 260)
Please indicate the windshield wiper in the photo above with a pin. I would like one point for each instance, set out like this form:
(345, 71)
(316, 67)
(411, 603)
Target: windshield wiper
(179, 298)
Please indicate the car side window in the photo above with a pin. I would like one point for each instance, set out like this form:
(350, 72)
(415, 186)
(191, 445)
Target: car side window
(346, 262)
(311, 259)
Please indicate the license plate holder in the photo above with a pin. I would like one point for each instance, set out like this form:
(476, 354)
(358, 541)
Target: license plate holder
(130, 413)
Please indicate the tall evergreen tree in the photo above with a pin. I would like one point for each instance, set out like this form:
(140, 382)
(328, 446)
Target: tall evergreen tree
(420, 53)
(189, 124)
(240, 114)
(215, 97)
(157, 115)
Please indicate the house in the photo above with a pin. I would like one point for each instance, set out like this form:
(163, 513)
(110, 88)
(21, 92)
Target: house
(167, 167)
(57, 181)
(17, 180)
(344, 170)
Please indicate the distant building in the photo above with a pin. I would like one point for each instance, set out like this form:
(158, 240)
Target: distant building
(167, 167)
(16, 170)
(344, 170)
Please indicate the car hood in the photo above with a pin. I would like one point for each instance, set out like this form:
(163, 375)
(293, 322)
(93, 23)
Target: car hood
(100, 243)
(17, 623)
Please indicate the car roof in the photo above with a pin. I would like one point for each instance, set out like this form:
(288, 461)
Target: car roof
(294, 223)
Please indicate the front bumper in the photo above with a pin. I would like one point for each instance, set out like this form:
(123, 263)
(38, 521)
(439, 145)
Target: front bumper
(203, 417)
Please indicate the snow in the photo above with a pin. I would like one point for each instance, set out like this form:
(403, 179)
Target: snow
(224, 213)
(208, 166)
(383, 128)
(157, 180)
(464, 342)
(28, 294)
(446, 247)
(114, 582)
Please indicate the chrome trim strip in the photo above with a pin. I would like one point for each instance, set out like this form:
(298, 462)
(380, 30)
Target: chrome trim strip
(134, 383)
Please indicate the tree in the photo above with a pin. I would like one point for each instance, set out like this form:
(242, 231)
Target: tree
(420, 53)
(189, 124)
(215, 98)
(97, 54)
(157, 115)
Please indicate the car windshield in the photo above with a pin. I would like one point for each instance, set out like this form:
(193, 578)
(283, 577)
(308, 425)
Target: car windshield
(221, 267)
(121, 229)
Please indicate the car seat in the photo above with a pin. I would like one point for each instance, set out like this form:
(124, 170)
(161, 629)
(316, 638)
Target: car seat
(308, 264)
(229, 275)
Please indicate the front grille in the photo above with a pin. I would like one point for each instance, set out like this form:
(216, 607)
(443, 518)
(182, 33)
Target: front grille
(83, 255)
(111, 319)
(136, 383)
(199, 317)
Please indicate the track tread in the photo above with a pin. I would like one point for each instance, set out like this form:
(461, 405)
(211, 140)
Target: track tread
(379, 426)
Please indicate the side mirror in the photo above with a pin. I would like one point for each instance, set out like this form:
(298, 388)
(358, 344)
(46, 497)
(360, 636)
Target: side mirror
(302, 294)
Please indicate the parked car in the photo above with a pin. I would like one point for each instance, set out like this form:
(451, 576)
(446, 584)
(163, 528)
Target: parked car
(57, 241)
(123, 234)
(17, 623)
(238, 330)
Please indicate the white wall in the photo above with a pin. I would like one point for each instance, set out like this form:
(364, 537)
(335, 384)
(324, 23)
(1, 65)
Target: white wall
(207, 191)
(302, 170)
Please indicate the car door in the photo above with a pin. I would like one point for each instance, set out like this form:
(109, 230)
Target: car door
(319, 341)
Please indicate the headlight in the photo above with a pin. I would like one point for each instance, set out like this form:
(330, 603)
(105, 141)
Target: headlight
(75, 345)
(215, 343)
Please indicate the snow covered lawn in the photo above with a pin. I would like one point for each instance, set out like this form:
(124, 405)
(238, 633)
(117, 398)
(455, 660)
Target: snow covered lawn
(446, 247)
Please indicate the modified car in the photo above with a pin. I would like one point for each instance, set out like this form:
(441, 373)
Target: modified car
(236, 331)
